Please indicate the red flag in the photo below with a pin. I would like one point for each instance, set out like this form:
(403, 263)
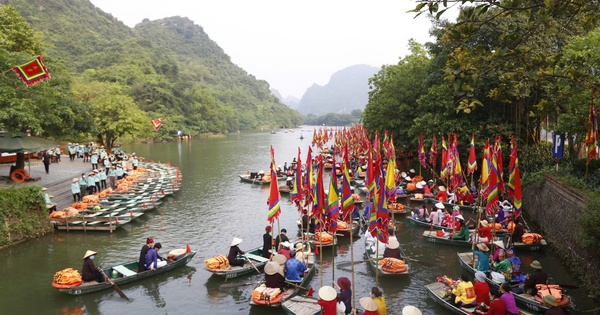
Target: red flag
(310, 292)
(156, 124)
(33, 71)
(187, 248)
(472, 162)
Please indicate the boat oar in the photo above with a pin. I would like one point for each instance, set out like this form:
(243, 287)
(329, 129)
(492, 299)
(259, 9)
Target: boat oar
(114, 285)
(297, 286)
(239, 284)
(250, 261)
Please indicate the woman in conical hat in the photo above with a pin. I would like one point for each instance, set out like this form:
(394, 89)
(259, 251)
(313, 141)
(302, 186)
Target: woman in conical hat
(327, 300)
(89, 272)
(273, 279)
(234, 251)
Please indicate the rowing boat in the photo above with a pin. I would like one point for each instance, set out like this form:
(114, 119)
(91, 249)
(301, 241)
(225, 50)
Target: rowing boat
(125, 273)
(292, 290)
(383, 270)
(255, 259)
(437, 291)
(302, 305)
(445, 239)
(524, 300)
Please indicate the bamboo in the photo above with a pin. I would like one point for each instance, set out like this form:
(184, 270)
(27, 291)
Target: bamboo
(352, 264)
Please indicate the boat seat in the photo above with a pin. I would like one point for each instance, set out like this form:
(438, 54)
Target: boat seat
(257, 258)
(126, 272)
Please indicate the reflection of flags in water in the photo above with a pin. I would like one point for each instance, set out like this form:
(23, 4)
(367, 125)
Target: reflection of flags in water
(33, 71)
(156, 123)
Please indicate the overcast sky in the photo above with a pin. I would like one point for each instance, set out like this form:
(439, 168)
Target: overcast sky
(292, 44)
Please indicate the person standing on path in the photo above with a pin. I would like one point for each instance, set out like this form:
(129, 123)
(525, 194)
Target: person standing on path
(112, 177)
(83, 184)
(102, 176)
(91, 183)
(46, 161)
(76, 190)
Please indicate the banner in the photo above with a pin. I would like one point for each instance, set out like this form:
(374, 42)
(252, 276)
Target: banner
(33, 71)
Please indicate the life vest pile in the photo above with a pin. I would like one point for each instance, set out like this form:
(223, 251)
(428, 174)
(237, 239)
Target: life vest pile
(90, 199)
(393, 265)
(266, 296)
(217, 262)
(396, 206)
(551, 289)
(68, 276)
(80, 205)
(323, 238)
(532, 238)
(342, 225)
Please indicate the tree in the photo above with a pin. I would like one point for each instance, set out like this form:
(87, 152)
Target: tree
(394, 93)
(115, 115)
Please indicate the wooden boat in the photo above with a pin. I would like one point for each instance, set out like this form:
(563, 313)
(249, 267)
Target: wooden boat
(373, 262)
(354, 229)
(524, 300)
(398, 208)
(125, 274)
(437, 291)
(292, 290)
(82, 223)
(302, 305)
(246, 178)
(432, 237)
(285, 189)
(449, 205)
(254, 255)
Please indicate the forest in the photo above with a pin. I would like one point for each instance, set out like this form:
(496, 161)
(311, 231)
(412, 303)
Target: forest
(109, 81)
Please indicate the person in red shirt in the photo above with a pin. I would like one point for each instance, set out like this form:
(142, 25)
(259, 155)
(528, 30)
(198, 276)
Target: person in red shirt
(484, 232)
(497, 305)
(442, 195)
(482, 289)
(327, 300)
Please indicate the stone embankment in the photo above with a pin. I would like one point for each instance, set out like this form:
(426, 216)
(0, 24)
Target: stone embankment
(556, 209)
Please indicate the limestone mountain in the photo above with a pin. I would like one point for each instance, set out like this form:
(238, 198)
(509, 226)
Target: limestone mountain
(170, 67)
(347, 90)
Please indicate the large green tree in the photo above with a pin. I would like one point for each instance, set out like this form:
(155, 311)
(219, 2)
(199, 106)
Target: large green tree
(115, 115)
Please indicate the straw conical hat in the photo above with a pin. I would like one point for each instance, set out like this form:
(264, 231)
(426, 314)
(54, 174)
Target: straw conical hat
(280, 259)
(411, 310)
(439, 205)
(499, 244)
(393, 244)
(368, 304)
(271, 268)
(236, 241)
(327, 293)
(89, 253)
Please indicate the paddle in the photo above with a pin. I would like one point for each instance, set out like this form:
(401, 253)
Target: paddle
(252, 263)
(239, 284)
(295, 285)
(114, 285)
(422, 262)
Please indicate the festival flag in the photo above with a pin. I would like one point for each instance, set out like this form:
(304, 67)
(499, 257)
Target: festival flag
(472, 162)
(422, 154)
(433, 151)
(156, 123)
(390, 181)
(492, 191)
(273, 201)
(318, 209)
(457, 175)
(499, 163)
(443, 171)
(333, 203)
(308, 181)
(383, 216)
(514, 178)
(370, 176)
(33, 71)
(347, 198)
(297, 192)
(485, 168)
(591, 139)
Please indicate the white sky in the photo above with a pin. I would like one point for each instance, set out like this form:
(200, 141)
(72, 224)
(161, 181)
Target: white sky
(292, 44)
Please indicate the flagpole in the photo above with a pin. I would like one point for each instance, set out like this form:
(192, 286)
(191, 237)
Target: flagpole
(352, 264)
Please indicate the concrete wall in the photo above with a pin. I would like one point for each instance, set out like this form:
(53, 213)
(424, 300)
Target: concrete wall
(555, 209)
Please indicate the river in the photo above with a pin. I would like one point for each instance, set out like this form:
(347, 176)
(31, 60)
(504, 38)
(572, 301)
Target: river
(211, 208)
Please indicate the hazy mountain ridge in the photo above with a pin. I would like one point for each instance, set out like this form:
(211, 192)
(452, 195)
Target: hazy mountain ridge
(347, 90)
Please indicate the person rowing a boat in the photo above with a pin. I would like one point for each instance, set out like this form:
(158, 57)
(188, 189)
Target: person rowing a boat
(464, 293)
(234, 251)
(463, 233)
(89, 272)
(294, 269)
(392, 249)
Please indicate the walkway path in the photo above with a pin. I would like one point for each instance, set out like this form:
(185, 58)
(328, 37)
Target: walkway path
(58, 181)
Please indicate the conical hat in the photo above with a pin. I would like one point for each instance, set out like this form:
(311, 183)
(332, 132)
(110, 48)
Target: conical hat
(280, 259)
(393, 244)
(419, 185)
(271, 268)
(499, 244)
(236, 241)
(89, 253)
(411, 310)
(368, 304)
(327, 293)
(442, 188)
(439, 205)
